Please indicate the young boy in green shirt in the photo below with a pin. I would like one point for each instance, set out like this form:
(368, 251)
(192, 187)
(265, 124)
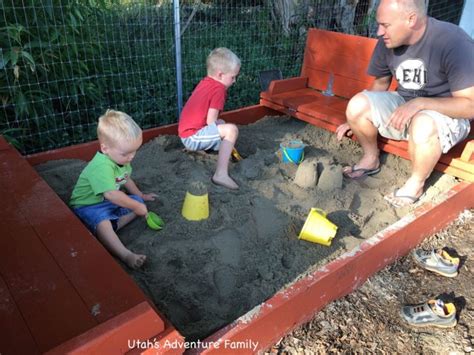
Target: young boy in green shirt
(97, 199)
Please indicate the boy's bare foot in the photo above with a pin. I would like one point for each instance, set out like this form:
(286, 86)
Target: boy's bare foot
(225, 181)
(134, 261)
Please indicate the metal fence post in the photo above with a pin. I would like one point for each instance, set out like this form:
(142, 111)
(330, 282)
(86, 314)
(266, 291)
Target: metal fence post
(177, 41)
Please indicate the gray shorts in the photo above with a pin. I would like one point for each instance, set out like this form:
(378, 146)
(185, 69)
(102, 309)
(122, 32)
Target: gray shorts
(207, 138)
(383, 103)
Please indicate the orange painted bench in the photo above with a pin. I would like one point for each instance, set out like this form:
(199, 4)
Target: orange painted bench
(60, 290)
(334, 70)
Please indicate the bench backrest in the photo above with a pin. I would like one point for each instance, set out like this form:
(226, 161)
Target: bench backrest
(342, 57)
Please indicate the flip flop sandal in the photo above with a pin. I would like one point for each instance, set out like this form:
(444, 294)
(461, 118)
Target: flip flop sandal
(434, 313)
(392, 199)
(364, 172)
(438, 261)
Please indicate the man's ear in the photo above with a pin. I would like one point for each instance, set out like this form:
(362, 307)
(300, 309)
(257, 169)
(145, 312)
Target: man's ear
(412, 19)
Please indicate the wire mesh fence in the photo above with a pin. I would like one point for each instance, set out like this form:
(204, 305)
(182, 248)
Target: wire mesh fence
(64, 62)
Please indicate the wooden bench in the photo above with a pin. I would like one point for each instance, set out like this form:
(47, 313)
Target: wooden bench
(334, 70)
(60, 290)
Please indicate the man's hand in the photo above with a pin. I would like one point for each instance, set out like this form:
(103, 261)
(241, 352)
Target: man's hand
(149, 196)
(343, 130)
(402, 116)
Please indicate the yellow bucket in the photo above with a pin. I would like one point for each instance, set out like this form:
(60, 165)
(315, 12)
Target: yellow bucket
(317, 228)
(195, 207)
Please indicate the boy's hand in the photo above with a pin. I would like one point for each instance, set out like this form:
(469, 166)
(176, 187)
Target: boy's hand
(140, 210)
(149, 196)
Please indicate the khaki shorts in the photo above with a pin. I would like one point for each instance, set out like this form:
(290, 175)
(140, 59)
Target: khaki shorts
(383, 103)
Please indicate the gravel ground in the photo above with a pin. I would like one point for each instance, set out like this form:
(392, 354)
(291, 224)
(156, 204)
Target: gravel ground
(368, 321)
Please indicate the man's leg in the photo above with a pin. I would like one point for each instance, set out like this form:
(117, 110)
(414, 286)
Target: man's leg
(229, 134)
(358, 115)
(108, 237)
(425, 150)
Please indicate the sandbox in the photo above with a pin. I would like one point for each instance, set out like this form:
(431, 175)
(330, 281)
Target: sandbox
(204, 275)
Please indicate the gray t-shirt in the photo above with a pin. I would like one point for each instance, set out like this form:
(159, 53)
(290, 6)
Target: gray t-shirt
(441, 62)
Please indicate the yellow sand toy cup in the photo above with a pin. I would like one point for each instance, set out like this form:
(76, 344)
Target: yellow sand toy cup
(317, 228)
(195, 207)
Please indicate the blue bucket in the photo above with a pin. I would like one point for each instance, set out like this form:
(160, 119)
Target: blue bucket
(292, 152)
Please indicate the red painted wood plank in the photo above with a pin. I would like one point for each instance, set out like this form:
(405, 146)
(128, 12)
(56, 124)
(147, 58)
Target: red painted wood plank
(291, 84)
(16, 337)
(3, 143)
(170, 342)
(102, 283)
(248, 114)
(43, 294)
(285, 97)
(342, 86)
(116, 336)
(345, 56)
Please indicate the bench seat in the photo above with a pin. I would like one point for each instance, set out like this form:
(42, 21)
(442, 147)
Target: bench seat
(334, 70)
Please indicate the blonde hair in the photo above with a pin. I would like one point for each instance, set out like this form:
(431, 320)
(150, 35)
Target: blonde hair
(221, 59)
(115, 126)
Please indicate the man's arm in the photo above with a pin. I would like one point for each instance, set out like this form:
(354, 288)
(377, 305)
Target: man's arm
(460, 105)
(381, 83)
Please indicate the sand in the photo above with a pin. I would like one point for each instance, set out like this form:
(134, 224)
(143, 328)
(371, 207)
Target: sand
(204, 274)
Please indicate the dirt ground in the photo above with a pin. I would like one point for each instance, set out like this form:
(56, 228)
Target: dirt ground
(368, 321)
(203, 275)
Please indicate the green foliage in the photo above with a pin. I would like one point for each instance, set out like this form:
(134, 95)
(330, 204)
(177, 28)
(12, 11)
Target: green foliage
(64, 62)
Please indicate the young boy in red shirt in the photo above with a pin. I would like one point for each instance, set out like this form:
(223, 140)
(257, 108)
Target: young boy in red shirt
(199, 127)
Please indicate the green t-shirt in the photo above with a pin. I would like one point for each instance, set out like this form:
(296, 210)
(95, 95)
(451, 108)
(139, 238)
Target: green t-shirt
(101, 175)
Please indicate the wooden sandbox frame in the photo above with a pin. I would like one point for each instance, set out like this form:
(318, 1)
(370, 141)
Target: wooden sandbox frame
(71, 255)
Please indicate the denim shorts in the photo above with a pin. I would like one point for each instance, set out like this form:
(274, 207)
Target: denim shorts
(383, 103)
(92, 215)
(207, 138)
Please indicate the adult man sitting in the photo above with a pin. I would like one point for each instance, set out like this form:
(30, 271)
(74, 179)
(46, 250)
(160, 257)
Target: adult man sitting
(433, 63)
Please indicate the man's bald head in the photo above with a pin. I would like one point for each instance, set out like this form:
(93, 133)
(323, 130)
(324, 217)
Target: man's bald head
(416, 6)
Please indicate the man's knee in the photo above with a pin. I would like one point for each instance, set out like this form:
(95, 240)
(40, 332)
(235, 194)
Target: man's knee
(423, 129)
(357, 107)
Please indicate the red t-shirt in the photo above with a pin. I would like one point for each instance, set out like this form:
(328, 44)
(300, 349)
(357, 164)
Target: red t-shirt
(209, 93)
